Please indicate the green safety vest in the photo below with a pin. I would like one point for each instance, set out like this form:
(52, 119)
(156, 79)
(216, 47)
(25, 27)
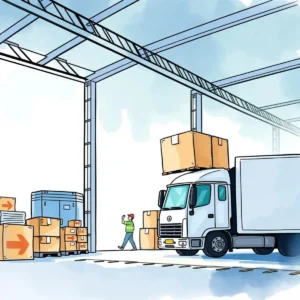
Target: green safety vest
(129, 226)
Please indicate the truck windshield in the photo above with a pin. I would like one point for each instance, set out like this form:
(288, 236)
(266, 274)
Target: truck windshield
(176, 197)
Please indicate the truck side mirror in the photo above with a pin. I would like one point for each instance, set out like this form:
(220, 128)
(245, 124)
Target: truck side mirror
(161, 198)
(193, 197)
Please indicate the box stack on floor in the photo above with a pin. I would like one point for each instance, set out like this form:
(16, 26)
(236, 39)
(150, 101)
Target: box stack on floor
(191, 151)
(46, 236)
(16, 239)
(73, 238)
(149, 234)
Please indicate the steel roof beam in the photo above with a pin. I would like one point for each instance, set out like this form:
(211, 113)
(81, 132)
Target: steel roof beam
(78, 40)
(197, 32)
(114, 42)
(259, 73)
(45, 69)
(281, 104)
(293, 120)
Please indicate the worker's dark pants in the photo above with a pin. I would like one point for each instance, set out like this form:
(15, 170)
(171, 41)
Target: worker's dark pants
(129, 237)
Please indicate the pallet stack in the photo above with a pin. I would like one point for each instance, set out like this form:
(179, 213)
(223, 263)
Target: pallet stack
(149, 234)
(74, 238)
(46, 236)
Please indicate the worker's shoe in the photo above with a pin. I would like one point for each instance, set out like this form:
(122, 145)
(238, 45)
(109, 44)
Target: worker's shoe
(134, 249)
(121, 248)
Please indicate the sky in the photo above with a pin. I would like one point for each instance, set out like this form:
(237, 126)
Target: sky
(42, 115)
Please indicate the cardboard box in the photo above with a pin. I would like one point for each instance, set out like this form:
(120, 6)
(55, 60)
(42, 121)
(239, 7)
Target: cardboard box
(68, 246)
(82, 231)
(220, 153)
(67, 240)
(150, 218)
(45, 226)
(7, 203)
(46, 244)
(16, 242)
(81, 239)
(82, 246)
(148, 239)
(186, 151)
(74, 223)
(68, 231)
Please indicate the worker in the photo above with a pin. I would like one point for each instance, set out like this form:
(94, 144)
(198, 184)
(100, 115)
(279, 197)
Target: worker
(129, 229)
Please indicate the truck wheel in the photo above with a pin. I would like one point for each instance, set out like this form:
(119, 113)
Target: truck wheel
(289, 245)
(187, 252)
(216, 244)
(263, 251)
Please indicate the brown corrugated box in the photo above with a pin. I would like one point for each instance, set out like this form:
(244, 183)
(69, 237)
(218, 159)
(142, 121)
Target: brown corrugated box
(186, 151)
(82, 231)
(74, 223)
(68, 231)
(81, 239)
(45, 226)
(193, 151)
(220, 152)
(8, 203)
(148, 239)
(46, 244)
(67, 240)
(82, 246)
(68, 246)
(150, 218)
(16, 242)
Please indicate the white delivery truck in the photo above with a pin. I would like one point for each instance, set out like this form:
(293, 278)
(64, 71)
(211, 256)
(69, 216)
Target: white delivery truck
(254, 205)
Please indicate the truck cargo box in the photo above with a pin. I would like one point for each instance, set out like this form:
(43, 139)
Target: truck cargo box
(268, 194)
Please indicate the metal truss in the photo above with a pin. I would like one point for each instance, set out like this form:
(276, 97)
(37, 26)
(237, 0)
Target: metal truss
(281, 104)
(104, 37)
(293, 120)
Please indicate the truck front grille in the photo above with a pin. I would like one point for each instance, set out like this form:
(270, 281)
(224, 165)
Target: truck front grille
(170, 230)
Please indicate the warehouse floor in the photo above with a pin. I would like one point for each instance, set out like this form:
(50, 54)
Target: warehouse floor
(160, 275)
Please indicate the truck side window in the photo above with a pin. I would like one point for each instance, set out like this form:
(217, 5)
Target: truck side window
(222, 192)
(203, 195)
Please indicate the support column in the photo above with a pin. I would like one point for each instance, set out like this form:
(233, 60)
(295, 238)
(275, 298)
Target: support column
(276, 140)
(196, 111)
(90, 164)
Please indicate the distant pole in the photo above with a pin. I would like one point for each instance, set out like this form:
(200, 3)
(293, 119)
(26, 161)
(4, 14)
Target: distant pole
(196, 111)
(276, 140)
(90, 166)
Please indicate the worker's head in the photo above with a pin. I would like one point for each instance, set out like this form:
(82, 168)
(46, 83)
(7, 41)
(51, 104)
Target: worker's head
(130, 217)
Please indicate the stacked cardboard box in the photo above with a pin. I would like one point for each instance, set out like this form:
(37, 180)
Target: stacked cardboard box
(46, 236)
(74, 238)
(8, 213)
(16, 242)
(149, 234)
(193, 151)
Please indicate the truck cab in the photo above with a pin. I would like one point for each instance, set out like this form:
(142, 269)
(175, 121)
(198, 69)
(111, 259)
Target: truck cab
(194, 206)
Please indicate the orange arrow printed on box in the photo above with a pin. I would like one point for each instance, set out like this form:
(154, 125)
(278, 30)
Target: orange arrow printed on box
(22, 244)
(7, 205)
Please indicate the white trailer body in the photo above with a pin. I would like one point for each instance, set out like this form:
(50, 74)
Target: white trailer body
(268, 194)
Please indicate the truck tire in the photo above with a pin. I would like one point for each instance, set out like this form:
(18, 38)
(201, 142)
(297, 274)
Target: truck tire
(289, 245)
(185, 252)
(263, 251)
(216, 244)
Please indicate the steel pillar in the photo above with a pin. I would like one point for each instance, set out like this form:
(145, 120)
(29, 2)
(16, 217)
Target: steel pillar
(90, 164)
(276, 140)
(196, 111)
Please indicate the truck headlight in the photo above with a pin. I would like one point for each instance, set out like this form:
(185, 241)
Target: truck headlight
(159, 242)
(184, 228)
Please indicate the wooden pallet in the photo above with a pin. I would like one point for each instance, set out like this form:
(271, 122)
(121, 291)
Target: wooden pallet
(46, 254)
(67, 253)
(82, 252)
